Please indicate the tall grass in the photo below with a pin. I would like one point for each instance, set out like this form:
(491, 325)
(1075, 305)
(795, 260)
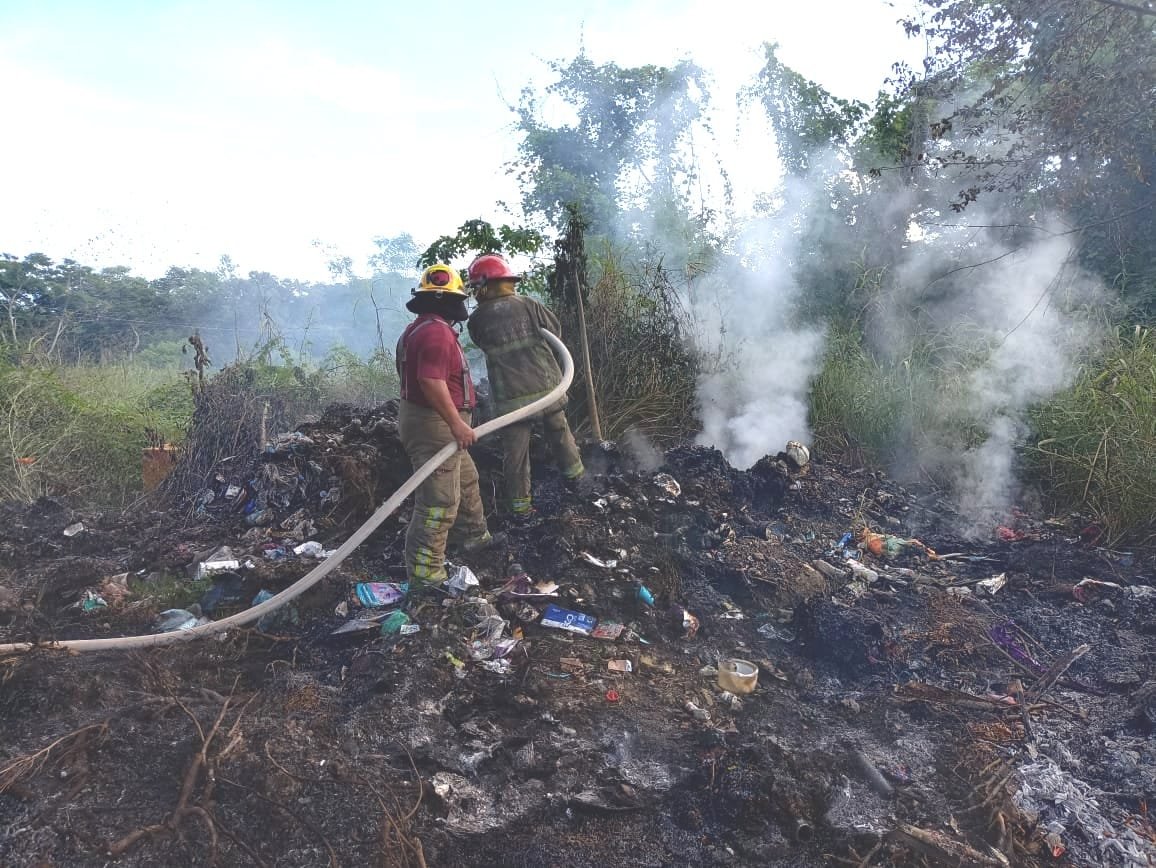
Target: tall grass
(1097, 441)
(77, 432)
(644, 369)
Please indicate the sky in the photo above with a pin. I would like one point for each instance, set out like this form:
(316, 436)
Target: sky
(151, 134)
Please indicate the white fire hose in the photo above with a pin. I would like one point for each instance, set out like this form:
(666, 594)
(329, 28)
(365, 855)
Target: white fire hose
(327, 566)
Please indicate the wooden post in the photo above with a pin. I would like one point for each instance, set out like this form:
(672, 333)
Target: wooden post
(591, 397)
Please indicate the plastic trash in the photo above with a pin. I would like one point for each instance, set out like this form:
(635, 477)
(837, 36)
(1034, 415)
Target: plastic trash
(687, 622)
(798, 454)
(696, 712)
(570, 621)
(372, 595)
(226, 588)
(645, 596)
(862, 573)
(178, 619)
(607, 564)
(283, 617)
(608, 630)
(991, 586)
(620, 666)
(394, 622)
(461, 581)
(73, 529)
(668, 484)
(738, 676)
(91, 601)
(498, 667)
(311, 549)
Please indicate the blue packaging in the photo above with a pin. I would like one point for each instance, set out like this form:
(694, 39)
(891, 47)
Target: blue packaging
(572, 622)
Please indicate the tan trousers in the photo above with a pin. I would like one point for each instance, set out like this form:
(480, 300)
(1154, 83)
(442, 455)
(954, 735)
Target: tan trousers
(516, 466)
(448, 505)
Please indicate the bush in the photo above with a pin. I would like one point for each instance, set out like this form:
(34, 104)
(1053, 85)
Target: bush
(59, 443)
(1097, 446)
(643, 367)
(873, 411)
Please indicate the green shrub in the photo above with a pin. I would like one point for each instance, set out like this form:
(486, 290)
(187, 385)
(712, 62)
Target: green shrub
(1097, 440)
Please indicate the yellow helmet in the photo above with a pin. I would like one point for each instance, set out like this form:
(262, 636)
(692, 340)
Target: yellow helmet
(441, 278)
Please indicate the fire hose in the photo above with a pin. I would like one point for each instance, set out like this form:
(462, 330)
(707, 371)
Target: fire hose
(215, 628)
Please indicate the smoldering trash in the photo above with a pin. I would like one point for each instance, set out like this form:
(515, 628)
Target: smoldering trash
(691, 664)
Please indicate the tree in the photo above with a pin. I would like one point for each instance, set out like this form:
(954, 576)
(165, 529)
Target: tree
(628, 151)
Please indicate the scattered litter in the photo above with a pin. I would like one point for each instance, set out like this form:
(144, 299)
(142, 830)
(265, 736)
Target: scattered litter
(991, 586)
(798, 454)
(1006, 534)
(862, 573)
(829, 570)
(498, 667)
(409, 629)
(771, 631)
(608, 630)
(461, 581)
(114, 589)
(178, 619)
(565, 619)
(598, 562)
(220, 561)
(372, 595)
(73, 529)
(620, 666)
(611, 695)
(888, 545)
(1008, 636)
(91, 601)
(1086, 590)
(284, 616)
(359, 625)
(227, 587)
(668, 484)
(959, 592)
(686, 621)
(645, 596)
(738, 676)
(520, 585)
(312, 549)
(394, 622)
(696, 712)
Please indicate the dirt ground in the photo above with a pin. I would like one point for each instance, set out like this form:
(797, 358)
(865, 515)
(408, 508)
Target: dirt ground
(909, 719)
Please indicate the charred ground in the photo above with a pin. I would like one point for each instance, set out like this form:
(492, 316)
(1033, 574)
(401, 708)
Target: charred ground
(900, 721)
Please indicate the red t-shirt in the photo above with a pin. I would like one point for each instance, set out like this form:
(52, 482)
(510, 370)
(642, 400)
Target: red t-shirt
(429, 349)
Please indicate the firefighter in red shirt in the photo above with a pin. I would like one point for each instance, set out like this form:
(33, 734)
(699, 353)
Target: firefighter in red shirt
(437, 402)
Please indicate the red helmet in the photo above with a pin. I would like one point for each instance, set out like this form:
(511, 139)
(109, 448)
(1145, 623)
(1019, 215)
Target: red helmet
(490, 266)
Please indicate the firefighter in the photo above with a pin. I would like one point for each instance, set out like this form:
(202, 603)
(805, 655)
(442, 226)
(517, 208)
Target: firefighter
(522, 368)
(437, 402)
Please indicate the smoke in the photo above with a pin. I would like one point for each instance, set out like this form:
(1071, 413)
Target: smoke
(641, 451)
(1001, 322)
(759, 358)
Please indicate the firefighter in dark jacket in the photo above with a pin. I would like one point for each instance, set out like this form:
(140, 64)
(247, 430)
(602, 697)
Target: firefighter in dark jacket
(437, 402)
(522, 368)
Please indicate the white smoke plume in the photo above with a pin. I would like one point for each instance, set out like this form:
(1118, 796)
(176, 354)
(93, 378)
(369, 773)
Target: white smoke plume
(759, 359)
(1011, 318)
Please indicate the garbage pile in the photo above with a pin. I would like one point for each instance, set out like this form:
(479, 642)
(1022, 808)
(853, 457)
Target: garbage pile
(691, 665)
(322, 474)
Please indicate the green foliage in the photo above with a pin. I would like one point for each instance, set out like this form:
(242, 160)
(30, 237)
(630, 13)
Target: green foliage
(627, 149)
(644, 368)
(63, 443)
(807, 118)
(877, 410)
(1097, 446)
(476, 237)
